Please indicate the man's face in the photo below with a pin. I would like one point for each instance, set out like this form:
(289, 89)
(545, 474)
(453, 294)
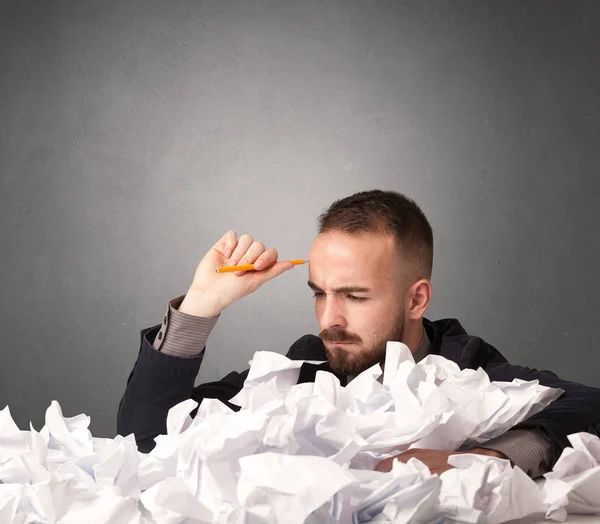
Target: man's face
(358, 297)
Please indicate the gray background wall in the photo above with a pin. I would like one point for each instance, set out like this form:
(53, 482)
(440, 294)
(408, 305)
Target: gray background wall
(134, 134)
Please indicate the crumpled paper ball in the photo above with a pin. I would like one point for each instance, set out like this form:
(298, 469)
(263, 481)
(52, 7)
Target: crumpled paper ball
(301, 453)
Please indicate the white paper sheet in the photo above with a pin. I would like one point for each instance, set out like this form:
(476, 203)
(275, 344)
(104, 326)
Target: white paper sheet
(575, 478)
(301, 453)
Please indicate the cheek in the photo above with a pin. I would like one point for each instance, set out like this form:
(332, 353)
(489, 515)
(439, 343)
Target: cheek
(362, 320)
(370, 321)
(318, 311)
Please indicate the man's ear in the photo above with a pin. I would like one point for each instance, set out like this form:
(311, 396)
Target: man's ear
(417, 299)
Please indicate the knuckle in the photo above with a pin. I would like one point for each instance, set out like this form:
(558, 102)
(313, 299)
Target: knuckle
(259, 245)
(246, 238)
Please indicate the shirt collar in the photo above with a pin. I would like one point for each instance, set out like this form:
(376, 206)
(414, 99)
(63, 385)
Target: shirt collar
(423, 349)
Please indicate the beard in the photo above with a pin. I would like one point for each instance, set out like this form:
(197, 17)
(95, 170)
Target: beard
(341, 360)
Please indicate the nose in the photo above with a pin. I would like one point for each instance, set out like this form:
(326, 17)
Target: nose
(331, 314)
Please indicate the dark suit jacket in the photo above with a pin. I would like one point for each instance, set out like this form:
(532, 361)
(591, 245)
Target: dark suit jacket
(159, 381)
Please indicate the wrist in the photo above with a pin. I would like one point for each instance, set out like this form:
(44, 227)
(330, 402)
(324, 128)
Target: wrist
(200, 304)
(488, 452)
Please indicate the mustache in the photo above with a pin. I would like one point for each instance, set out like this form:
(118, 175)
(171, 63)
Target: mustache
(338, 335)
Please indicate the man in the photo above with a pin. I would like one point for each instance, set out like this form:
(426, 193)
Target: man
(370, 270)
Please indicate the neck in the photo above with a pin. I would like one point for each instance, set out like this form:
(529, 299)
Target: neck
(413, 333)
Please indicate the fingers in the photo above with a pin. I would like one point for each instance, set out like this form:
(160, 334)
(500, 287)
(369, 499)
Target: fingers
(247, 251)
(254, 251)
(274, 271)
(266, 259)
(230, 243)
(385, 466)
(227, 243)
(243, 244)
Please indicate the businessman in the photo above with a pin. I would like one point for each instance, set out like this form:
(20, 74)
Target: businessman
(370, 270)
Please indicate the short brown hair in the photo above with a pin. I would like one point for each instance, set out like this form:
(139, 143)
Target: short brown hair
(385, 212)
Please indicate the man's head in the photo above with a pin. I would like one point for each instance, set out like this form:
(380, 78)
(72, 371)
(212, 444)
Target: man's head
(370, 268)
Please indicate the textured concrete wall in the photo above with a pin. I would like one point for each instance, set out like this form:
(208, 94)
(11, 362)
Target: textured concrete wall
(134, 134)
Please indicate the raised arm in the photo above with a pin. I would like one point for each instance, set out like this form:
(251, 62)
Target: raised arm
(170, 354)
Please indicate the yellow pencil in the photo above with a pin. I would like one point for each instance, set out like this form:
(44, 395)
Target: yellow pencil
(250, 267)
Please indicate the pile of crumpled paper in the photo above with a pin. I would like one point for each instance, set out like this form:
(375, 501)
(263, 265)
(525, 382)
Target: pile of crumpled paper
(300, 453)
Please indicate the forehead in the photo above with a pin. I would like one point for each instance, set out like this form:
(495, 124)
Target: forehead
(337, 259)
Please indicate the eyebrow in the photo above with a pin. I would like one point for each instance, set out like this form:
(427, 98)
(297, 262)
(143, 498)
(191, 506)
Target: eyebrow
(340, 290)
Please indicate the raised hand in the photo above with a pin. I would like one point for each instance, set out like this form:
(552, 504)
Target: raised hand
(211, 292)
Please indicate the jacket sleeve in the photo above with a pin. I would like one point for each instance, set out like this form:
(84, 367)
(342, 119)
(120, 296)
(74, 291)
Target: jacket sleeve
(157, 382)
(576, 410)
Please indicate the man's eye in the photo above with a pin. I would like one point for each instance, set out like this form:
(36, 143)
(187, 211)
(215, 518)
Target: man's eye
(357, 299)
(318, 294)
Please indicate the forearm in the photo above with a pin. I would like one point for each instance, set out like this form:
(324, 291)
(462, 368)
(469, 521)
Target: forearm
(577, 410)
(527, 449)
(157, 383)
(164, 373)
(166, 368)
(183, 334)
